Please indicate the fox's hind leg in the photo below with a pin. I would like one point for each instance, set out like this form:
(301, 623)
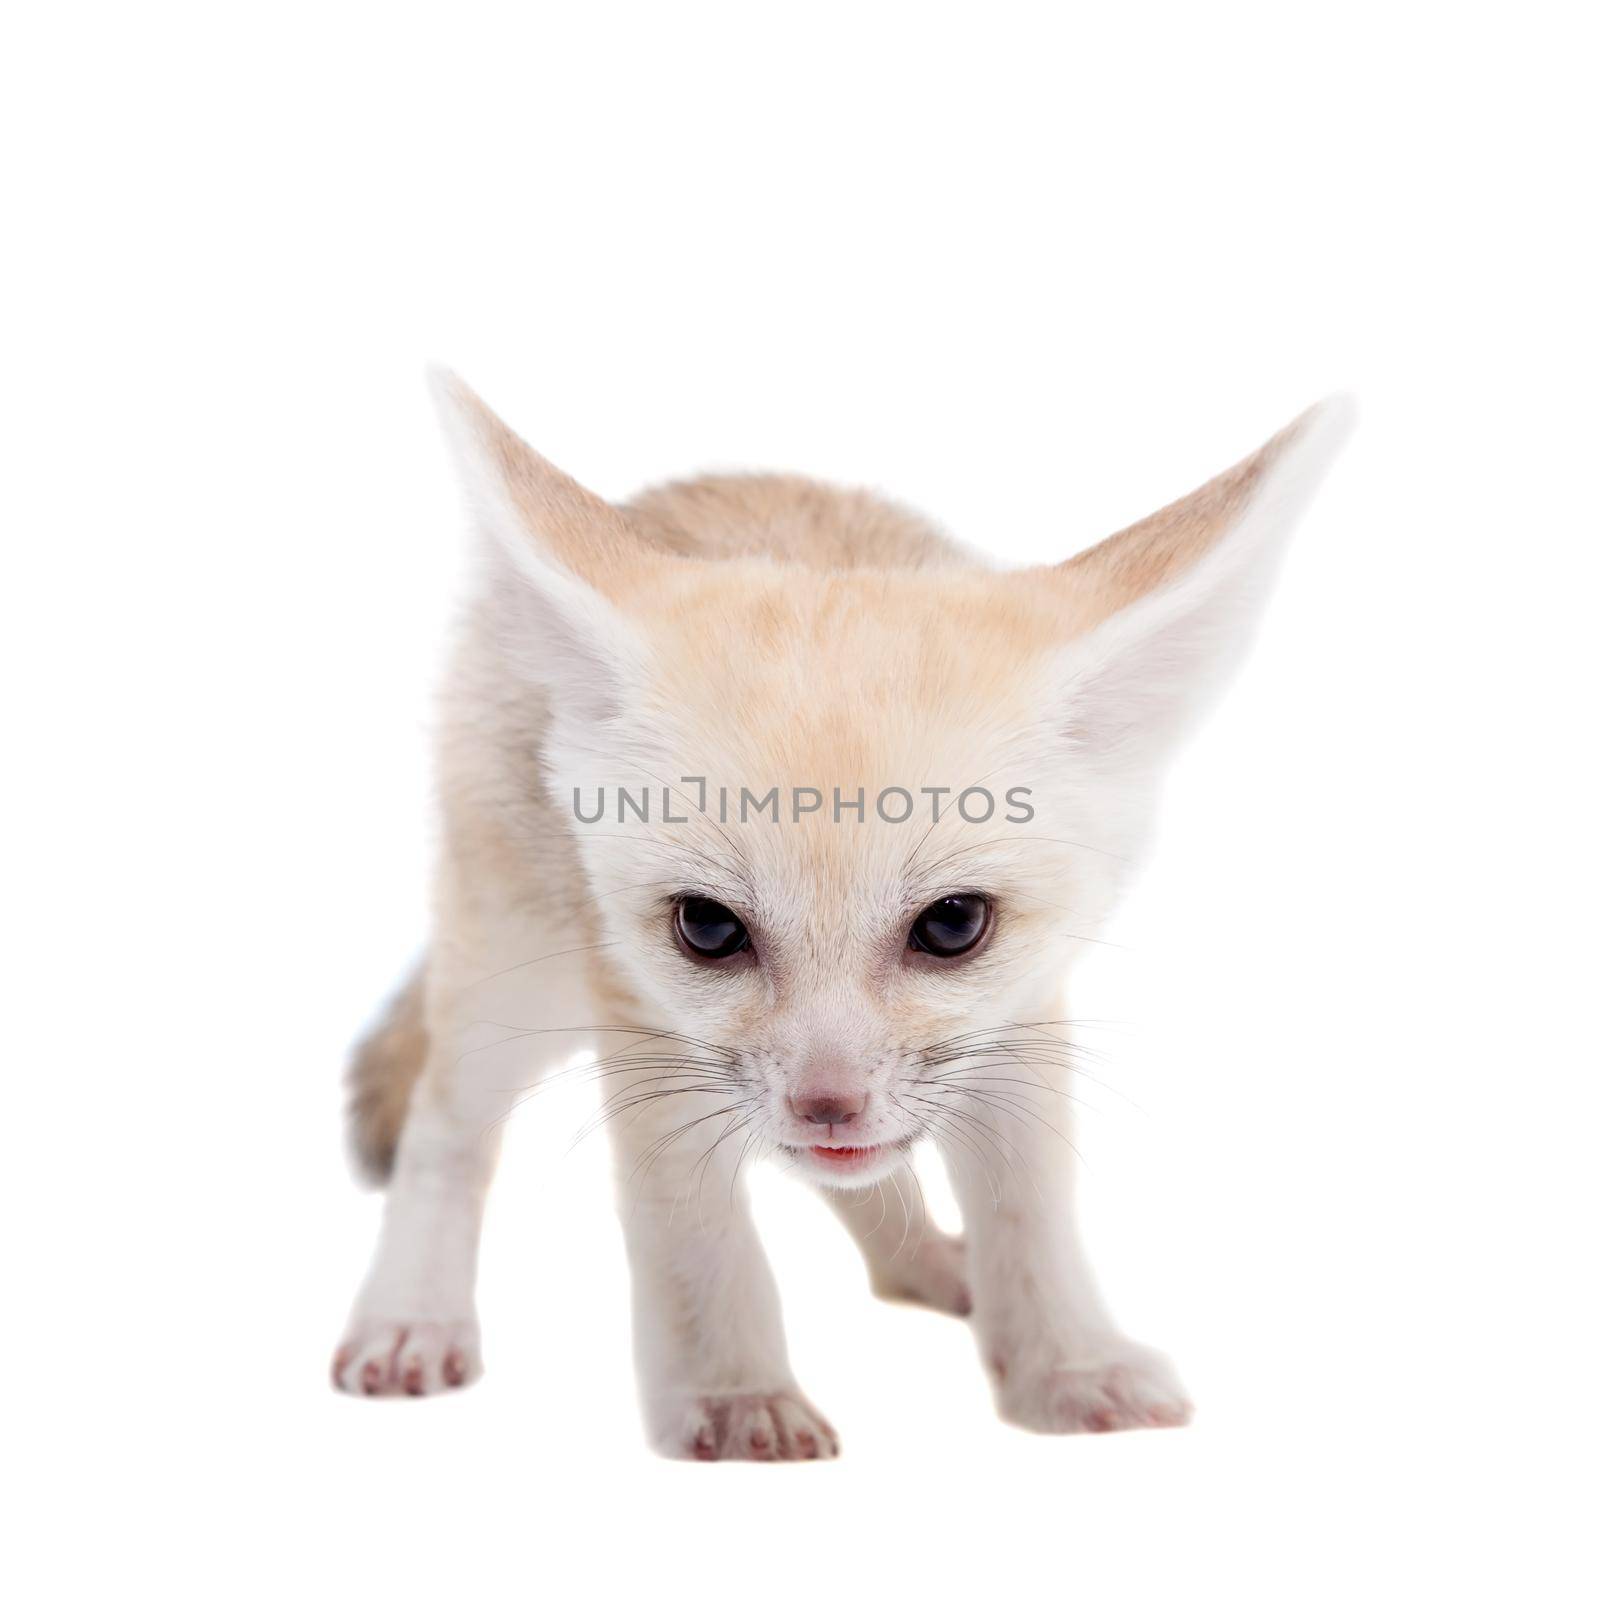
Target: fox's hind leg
(907, 1257)
(430, 1090)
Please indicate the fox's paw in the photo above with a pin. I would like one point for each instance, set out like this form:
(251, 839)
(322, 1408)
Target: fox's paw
(388, 1357)
(1128, 1387)
(934, 1275)
(748, 1427)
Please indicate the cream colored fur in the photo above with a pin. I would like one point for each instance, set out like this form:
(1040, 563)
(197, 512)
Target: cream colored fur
(759, 632)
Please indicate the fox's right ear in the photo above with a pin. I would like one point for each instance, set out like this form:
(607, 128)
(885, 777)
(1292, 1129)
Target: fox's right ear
(564, 553)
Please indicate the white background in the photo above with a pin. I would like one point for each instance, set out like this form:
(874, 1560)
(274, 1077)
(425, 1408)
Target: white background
(1036, 270)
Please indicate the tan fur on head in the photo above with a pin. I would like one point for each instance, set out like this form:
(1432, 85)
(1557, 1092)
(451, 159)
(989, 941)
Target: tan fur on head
(789, 519)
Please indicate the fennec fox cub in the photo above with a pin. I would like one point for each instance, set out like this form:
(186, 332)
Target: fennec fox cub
(793, 814)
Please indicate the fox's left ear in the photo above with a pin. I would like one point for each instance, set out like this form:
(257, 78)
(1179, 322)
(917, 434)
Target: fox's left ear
(1160, 613)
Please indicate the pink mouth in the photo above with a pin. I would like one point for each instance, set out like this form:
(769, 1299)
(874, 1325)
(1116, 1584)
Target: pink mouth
(845, 1155)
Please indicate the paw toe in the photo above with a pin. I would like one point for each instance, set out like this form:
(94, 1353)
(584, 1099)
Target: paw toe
(750, 1428)
(406, 1358)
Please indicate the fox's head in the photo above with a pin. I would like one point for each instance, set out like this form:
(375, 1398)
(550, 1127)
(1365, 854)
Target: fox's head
(846, 818)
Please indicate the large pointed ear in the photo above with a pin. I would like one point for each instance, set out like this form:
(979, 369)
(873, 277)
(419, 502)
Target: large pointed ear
(1161, 612)
(561, 557)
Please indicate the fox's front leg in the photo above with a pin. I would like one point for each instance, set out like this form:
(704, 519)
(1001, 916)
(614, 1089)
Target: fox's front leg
(1058, 1362)
(433, 1085)
(413, 1328)
(708, 1333)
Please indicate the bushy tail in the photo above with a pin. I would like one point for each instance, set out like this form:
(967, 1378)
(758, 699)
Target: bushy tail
(383, 1069)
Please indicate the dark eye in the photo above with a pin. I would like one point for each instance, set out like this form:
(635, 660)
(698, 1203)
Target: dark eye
(952, 926)
(710, 929)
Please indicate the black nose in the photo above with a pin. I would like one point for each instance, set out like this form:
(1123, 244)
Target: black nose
(832, 1109)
